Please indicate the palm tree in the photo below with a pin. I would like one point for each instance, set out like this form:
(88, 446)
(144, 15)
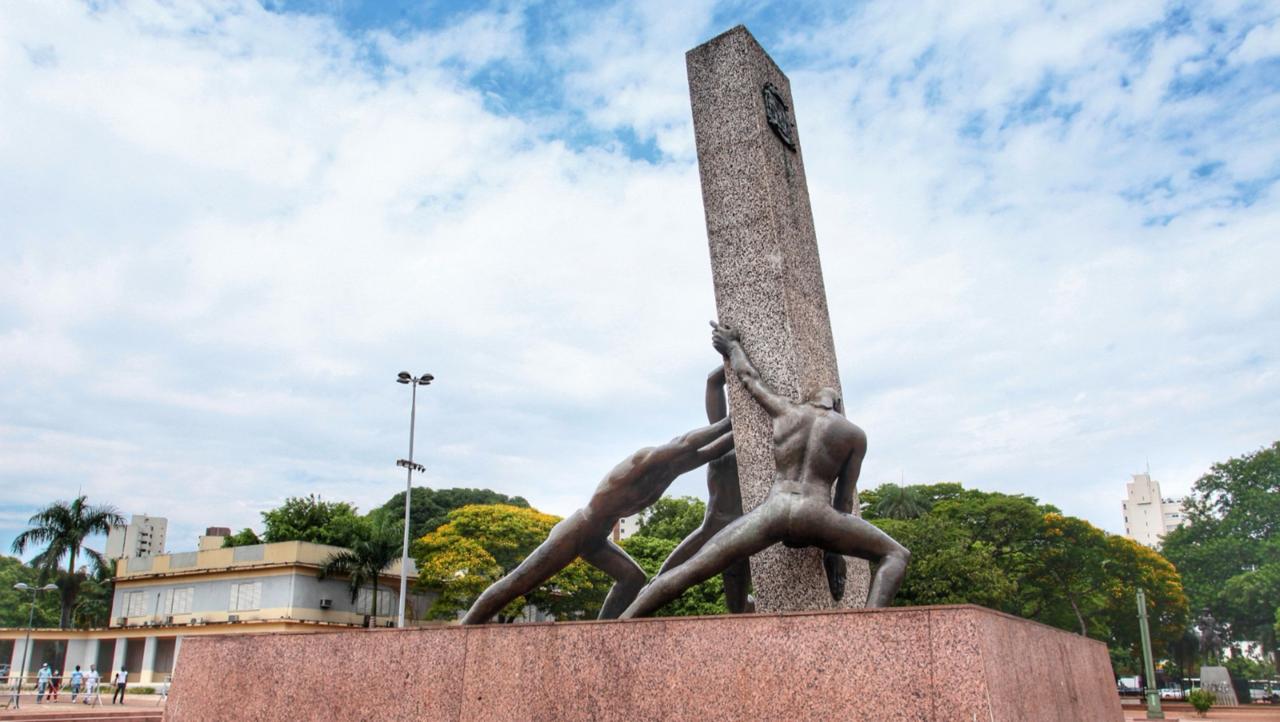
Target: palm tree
(901, 502)
(63, 527)
(373, 552)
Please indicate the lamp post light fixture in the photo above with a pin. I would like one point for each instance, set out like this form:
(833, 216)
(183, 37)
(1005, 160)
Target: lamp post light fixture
(26, 645)
(405, 377)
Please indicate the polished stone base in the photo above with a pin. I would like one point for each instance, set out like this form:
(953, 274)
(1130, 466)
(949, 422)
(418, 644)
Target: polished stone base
(912, 663)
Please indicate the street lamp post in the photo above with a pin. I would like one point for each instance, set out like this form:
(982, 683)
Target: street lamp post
(1152, 691)
(26, 645)
(414, 381)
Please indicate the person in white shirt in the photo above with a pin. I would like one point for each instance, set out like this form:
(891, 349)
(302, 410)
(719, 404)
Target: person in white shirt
(91, 684)
(121, 679)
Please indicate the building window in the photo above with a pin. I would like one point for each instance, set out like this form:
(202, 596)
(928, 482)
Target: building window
(246, 596)
(136, 606)
(386, 602)
(178, 601)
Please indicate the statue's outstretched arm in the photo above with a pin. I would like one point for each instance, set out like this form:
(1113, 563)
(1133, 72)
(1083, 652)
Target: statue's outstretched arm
(847, 483)
(728, 343)
(717, 406)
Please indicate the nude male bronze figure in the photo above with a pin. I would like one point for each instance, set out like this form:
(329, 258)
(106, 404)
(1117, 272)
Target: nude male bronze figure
(814, 446)
(724, 504)
(632, 486)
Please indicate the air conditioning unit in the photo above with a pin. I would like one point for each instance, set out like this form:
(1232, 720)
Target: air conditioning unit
(196, 620)
(233, 617)
(122, 621)
(326, 604)
(168, 619)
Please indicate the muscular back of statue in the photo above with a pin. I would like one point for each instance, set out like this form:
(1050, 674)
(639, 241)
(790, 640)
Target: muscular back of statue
(814, 448)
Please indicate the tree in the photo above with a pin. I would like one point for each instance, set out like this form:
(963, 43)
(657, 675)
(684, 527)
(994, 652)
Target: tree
(1227, 551)
(1251, 601)
(948, 566)
(481, 543)
(373, 549)
(15, 605)
(63, 527)
(93, 603)
(1067, 575)
(900, 502)
(243, 538)
(429, 508)
(311, 519)
(672, 518)
(1127, 567)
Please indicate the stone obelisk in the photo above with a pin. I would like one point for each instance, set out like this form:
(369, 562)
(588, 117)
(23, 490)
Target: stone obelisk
(768, 280)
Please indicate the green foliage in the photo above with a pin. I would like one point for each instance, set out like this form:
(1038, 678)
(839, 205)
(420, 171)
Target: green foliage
(15, 605)
(1011, 553)
(1201, 699)
(429, 508)
(243, 538)
(703, 599)
(948, 566)
(672, 518)
(1229, 552)
(370, 553)
(1127, 567)
(312, 519)
(63, 527)
(1243, 667)
(900, 502)
(481, 543)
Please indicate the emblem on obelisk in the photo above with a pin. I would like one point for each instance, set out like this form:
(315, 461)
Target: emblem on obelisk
(775, 111)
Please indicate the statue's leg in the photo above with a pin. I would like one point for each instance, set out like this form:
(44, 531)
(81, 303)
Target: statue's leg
(737, 578)
(554, 554)
(847, 534)
(742, 538)
(628, 577)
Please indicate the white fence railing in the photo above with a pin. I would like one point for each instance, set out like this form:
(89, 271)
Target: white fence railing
(31, 689)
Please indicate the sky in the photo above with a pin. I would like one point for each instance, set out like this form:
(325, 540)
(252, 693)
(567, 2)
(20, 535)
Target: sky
(1048, 230)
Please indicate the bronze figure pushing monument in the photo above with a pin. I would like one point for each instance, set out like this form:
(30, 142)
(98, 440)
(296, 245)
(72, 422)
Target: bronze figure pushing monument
(814, 446)
(629, 488)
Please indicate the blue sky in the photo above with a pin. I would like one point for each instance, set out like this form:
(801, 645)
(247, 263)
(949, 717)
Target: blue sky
(1048, 230)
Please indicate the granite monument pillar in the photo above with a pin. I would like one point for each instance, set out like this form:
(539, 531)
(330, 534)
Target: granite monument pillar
(768, 279)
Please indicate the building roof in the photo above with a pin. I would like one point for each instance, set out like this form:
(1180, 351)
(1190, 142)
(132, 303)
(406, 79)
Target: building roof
(255, 556)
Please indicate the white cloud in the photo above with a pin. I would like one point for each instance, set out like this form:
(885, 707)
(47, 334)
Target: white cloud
(1261, 43)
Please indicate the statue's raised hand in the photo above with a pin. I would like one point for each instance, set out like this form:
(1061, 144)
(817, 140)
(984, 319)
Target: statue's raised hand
(723, 337)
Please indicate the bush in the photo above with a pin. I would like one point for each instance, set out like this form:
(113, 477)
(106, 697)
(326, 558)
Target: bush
(1201, 699)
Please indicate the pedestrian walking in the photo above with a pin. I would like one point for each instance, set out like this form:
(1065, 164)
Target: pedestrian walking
(42, 682)
(122, 678)
(55, 684)
(77, 679)
(91, 685)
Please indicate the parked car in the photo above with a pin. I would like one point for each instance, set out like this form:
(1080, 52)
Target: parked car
(1171, 693)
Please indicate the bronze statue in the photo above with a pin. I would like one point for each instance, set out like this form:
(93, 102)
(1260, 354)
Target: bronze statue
(632, 486)
(814, 446)
(724, 504)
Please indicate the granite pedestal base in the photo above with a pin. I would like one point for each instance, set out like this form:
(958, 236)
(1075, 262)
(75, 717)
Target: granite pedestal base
(913, 663)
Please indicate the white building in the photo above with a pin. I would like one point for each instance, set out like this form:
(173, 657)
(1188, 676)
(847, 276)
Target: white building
(627, 526)
(1147, 515)
(161, 599)
(143, 536)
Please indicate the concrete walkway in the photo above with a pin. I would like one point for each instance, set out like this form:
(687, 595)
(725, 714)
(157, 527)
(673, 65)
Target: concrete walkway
(139, 708)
